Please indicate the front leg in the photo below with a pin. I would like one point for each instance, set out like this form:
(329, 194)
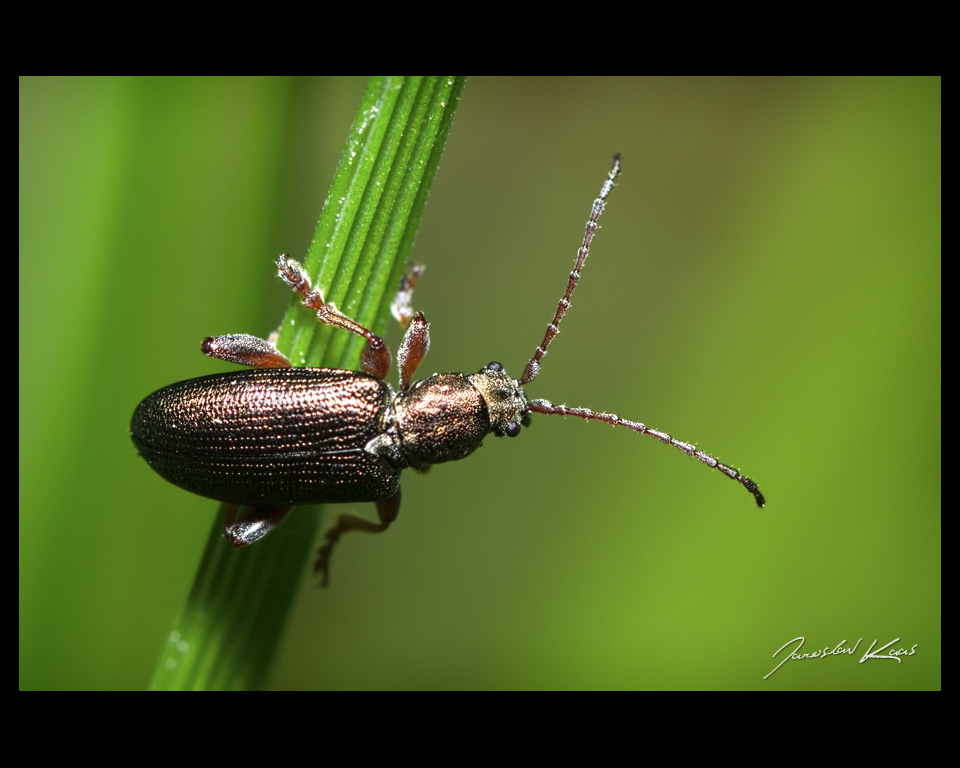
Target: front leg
(413, 348)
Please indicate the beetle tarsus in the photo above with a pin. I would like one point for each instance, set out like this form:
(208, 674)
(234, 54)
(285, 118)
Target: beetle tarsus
(402, 306)
(243, 525)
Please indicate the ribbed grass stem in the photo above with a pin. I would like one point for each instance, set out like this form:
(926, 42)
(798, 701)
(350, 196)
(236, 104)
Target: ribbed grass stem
(232, 623)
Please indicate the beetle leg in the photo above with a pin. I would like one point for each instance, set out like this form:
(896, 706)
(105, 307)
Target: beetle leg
(416, 340)
(244, 525)
(375, 358)
(244, 349)
(387, 510)
(401, 308)
(413, 348)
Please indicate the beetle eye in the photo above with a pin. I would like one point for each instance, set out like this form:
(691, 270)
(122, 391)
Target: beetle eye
(495, 366)
(512, 429)
(526, 420)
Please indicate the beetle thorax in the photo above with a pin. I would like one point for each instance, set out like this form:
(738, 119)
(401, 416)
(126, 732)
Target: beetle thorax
(446, 416)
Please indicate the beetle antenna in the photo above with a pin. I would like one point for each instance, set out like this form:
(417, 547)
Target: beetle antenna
(545, 406)
(533, 367)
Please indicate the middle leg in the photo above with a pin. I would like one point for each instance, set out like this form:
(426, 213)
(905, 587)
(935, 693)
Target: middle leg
(375, 358)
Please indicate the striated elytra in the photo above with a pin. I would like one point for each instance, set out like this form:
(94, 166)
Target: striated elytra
(294, 436)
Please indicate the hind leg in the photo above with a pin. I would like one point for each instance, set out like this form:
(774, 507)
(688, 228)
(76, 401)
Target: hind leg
(387, 511)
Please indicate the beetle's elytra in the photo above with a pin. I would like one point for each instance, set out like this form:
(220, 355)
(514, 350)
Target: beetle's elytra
(274, 437)
(277, 443)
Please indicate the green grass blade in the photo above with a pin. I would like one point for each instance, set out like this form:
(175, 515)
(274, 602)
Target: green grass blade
(232, 622)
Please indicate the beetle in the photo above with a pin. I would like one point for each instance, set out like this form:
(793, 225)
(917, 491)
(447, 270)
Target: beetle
(269, 439)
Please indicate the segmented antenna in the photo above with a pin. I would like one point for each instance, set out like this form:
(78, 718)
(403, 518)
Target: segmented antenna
(533, 367)
(545, 406)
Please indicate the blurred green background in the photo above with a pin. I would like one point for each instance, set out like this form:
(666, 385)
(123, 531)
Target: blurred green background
(766, 283)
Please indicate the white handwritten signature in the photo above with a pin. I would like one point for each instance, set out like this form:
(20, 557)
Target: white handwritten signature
(839, 650)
